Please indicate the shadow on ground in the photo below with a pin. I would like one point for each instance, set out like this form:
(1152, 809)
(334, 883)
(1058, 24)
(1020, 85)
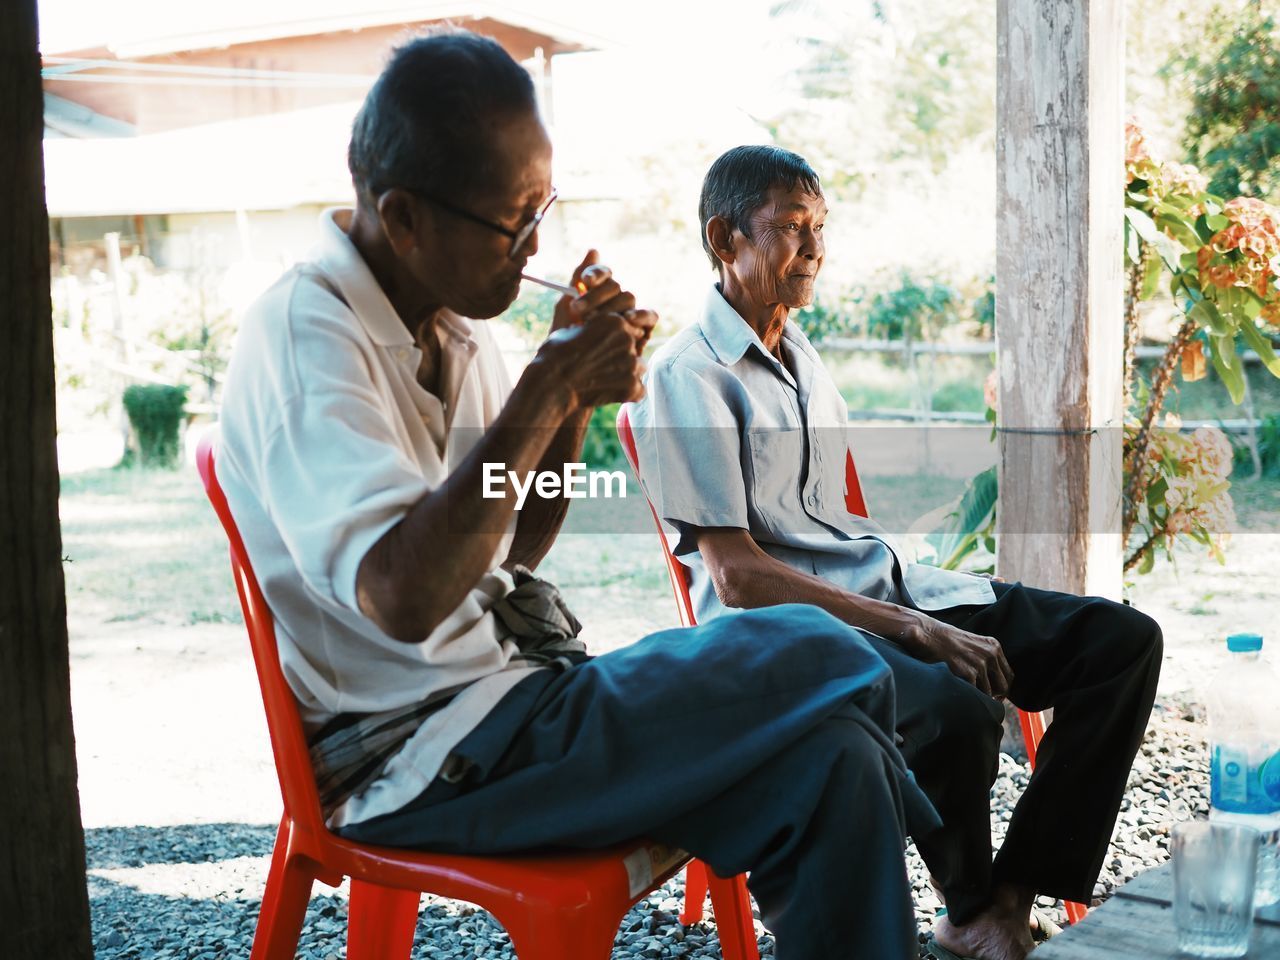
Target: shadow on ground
(193, 892)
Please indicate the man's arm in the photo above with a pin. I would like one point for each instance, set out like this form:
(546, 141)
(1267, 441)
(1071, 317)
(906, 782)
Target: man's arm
(746, 577)
(424, 566)
(540, 520)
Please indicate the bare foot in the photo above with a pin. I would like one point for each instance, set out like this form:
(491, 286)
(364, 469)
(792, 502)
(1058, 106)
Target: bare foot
(1000, 932)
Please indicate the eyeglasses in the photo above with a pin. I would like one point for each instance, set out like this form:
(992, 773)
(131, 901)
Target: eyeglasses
(518, 237)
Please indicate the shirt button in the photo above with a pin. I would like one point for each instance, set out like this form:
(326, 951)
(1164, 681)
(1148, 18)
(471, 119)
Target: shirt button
(402, 354)
(813, 499)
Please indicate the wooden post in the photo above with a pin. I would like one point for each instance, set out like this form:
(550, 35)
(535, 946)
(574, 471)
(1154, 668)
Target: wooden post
(1060, 291)
(44, 906)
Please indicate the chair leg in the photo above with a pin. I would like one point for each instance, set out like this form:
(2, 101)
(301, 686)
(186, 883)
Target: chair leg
(732, 906)
(381, 922)
(695, 891)
(1075, 911)
(284, 902)
(1033, 728)
(1032, 731)
(560, 936)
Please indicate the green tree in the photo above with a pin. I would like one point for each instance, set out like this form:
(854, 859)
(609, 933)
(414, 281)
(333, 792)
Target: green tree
(1233, 129)
(894, 85)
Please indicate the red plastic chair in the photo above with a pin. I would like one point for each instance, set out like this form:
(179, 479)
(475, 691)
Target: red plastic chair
(1032, 723)
(563, 906)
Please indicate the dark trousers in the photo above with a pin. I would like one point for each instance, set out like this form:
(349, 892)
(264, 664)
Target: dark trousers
(760, 742)
(1096, 663)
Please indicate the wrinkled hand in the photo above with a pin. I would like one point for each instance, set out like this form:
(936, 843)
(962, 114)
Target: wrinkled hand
(604, 295)
(596, 360)
(971, 657)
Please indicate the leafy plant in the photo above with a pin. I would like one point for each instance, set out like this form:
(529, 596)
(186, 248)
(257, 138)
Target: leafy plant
(1269, 445)
(1222, 261)
(913, 309)
(531, 314)
(968, 532)
(1185, 491)
(601, 448)
(1223, 264)
(155, 414)
(984, 307)
(824, 318)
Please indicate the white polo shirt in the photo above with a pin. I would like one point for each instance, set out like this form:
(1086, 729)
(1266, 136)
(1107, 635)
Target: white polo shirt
(327, 441)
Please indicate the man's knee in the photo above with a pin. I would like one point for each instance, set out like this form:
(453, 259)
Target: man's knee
(818, 631)
(965, 726)
(1147, 632)
(1129, 638)
(804, 633)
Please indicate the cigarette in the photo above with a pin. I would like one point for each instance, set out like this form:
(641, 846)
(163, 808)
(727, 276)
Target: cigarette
(574, 291)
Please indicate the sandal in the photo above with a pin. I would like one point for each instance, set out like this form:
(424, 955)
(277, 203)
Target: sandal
(938, 952)
(1045, 928)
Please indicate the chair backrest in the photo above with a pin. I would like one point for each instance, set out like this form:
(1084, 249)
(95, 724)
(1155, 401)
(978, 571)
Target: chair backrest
(853, 499)
(677, 571)
(288, 742)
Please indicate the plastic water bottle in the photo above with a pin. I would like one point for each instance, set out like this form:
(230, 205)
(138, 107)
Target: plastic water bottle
(1244, 736)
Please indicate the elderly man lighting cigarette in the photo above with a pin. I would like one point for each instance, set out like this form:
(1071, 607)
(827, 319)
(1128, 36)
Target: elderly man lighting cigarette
(365, 398)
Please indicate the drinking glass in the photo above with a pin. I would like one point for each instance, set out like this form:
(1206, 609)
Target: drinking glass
(1214, 870)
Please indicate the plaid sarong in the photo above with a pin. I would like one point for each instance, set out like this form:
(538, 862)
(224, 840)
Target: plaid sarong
(351, 750)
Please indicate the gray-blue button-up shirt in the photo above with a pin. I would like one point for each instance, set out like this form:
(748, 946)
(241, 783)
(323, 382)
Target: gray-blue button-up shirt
(728, 436)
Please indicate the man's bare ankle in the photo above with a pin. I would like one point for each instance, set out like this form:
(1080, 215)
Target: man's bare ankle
(1013, 898)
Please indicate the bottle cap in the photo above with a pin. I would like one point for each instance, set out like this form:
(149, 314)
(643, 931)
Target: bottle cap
(1244, 642)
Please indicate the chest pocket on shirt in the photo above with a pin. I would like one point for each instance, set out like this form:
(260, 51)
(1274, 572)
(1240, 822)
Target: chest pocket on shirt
(777, 466)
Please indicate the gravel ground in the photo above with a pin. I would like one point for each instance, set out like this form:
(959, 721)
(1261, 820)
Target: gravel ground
(192, 891)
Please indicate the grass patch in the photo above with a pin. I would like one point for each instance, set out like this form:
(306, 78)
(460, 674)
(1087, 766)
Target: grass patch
(870, 381)
(1207, 399)
(881, 381)
(1257, 502)
(144, 545)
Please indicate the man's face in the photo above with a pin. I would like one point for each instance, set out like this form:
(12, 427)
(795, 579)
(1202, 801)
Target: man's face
(466, 264)
(780, 260)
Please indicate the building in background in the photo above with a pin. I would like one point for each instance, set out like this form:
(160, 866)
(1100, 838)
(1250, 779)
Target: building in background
(219, 146)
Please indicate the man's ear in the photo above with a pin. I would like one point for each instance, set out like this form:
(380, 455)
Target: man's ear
(720, 239)
(400, 215)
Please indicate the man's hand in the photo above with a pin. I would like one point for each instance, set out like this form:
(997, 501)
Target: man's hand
(596, 361)
(596, 339)
(603, 295)
(976, 659)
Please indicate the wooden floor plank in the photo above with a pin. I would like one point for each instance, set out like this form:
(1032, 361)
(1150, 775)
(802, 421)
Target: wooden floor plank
(1157, 884)
(1137, 924)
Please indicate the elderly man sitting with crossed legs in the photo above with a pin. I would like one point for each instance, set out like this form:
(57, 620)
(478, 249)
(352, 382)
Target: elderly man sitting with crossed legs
(742, 444)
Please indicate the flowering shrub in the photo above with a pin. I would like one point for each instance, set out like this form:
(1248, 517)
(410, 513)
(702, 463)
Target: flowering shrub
(1223, 265)
(1158, 180)
(1187, 486)
(1245, 253)
(1222, 261)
